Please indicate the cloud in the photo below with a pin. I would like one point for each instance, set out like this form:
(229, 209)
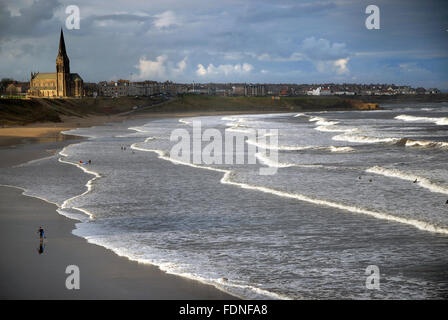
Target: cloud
(260, 13)
(22, 22)
(224, 69)
(158, 69)
(166, 20)
(181, 65)
(326, 56)
(323, 49)
(295, 56)
(150, 69)
(337, 66)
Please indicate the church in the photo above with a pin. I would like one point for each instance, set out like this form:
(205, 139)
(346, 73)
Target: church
(60, 84)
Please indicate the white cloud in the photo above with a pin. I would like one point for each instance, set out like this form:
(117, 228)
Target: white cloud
(341, 65)
(323, 49)
(224, 69)
(181, 65)
(166, 19)
(337, 66)
(159, 69)
(327, 57)
(295, 56)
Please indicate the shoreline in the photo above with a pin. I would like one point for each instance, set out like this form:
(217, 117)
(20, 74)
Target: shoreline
(127, 278)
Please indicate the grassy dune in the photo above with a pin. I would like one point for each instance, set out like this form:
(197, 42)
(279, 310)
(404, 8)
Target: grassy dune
(194, 103)
(23, 111)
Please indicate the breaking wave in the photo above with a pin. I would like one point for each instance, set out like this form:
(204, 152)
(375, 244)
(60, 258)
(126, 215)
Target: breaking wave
(442, 121)
(420, 181)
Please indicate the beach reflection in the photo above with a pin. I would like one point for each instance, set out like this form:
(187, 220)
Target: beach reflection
(41, 247)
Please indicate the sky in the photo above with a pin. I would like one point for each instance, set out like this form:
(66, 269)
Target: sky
(253, 41)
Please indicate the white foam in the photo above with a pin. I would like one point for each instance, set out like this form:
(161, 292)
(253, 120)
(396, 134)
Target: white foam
(271, 163)
(320, 121)
(421, 181)
(185, 122)
(26, 193)
(298, 148)
(278, 147)
(442, 121)
(138, 129)
(363, 139)
(66, 203)
(341, 149)
(246, 131)
(32, 161)
(426, 144)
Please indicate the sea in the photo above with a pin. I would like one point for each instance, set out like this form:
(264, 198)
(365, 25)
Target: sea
(351, 192)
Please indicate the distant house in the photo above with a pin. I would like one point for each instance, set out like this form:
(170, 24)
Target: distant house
(16, 89)
(420, 90)
(283, 93)
(325, 91)
(433, 91)
(238, 91)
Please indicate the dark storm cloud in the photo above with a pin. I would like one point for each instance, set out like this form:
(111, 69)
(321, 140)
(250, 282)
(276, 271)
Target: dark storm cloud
(260, 13)
(279, 41)
(29, 21)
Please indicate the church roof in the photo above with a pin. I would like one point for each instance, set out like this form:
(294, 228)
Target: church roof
(45, 76)
(75, 76)
(53, 76)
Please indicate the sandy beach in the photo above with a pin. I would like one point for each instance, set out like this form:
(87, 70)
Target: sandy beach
(27, 274)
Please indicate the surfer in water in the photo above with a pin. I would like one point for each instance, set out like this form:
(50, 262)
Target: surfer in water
(415, 181)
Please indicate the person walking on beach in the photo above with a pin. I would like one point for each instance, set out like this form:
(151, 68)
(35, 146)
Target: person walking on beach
(41, 233)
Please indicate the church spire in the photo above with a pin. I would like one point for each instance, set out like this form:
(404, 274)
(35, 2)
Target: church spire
(62, 51)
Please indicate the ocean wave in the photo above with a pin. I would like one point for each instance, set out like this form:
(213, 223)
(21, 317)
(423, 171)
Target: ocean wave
(333, 128)
(271, 163)
(138, 129)
(423, 143)
(89, 185)
(341, 149)
(441, 121)
(226, 179)
(32, 161)
(320, 121)
(278, 147)
(185, 122)
(363, 139)
(239, 130)
(421, 181)
(299, 148)
(233, 287)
